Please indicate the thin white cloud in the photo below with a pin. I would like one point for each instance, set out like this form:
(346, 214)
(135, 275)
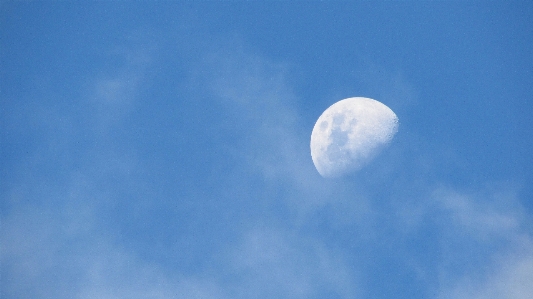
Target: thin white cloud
(485, 217)
(65, 244)
(510, 278)
(66, 248)
(277, 263)
(494, 224)
(60, 250)
(274, 261)
(273, 142)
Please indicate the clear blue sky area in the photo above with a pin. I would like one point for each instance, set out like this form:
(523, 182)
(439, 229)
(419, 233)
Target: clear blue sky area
(161, 150)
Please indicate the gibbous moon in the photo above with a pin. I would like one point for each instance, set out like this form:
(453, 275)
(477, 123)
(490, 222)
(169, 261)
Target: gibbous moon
(349, 134)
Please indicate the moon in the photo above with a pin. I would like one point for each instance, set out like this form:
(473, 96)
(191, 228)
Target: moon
(349, 134)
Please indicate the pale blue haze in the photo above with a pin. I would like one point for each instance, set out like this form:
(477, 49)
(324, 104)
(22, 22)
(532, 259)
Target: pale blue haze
(161, 150)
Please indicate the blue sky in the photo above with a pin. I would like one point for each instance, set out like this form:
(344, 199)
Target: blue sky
(161, 150)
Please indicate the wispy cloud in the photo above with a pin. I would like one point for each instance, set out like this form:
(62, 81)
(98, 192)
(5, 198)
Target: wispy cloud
(469, 230)
(278, 263)
(62, 244)
(273, 141)
(483, 216)
(492, 229)
(509, 278)
(296, 236)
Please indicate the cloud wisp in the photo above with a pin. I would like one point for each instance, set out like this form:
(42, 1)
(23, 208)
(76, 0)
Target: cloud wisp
(125, 220)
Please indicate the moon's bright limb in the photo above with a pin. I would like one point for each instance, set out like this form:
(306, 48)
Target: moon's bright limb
(349, 134)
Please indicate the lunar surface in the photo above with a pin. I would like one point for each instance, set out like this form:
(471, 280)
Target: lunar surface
(349, 134)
